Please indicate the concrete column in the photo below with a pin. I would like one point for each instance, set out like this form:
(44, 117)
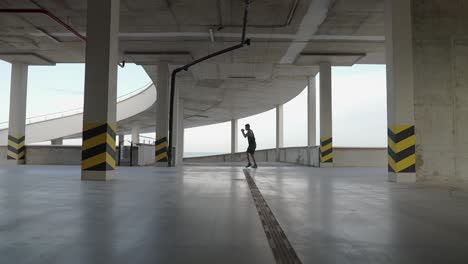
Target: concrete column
(17, 121)
(311, 112)
(135, 135)
(326, 124)
(99, 115)
(400, 91)
(57, 142)
(162, 115)
(180, 133)
(121, 146)
(279, 130)
(175, 127)
(234, 135)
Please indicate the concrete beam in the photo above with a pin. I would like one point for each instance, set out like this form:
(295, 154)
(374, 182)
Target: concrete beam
(326, 117)
(17, 121)
(100, 107)
(310, 23)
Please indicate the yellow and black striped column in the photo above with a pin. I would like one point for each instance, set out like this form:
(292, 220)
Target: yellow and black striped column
(326, 116)
(401, 149)
(98, 151)
(161, 151)
(16, 148)
(326, 150)
(16, 153)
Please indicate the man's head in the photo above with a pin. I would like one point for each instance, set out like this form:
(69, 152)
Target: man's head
(247, 127)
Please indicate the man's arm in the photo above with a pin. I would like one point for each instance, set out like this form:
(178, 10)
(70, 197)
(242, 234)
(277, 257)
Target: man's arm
(243, 133)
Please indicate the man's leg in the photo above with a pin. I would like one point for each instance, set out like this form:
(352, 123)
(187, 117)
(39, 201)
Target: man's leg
(253, 158)
(248, 159)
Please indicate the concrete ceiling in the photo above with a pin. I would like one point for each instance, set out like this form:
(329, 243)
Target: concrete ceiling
(254, 79)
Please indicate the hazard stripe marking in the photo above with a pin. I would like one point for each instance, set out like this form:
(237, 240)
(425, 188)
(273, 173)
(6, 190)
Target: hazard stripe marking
(401, 149)
(98, 151)
(160, 151)
(326, 150)
(16, 149)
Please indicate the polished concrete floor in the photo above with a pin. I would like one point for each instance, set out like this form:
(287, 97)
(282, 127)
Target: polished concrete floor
(206, 215)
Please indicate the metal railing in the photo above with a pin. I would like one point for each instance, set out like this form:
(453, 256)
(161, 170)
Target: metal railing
(75, 111)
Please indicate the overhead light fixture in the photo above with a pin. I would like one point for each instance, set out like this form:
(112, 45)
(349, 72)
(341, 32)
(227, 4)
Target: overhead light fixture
(48, 35)
(212, 38)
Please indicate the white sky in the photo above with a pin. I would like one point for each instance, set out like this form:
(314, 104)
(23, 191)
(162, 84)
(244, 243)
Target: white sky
(359, 116)
(359, 106)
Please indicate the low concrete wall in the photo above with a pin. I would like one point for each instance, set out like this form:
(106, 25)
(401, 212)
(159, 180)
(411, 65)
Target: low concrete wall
(48, 155)
(296, 155)
(71, 155)
(145, 155)
(360, 157)
(53, 155)
(343, 157)
(3, 154)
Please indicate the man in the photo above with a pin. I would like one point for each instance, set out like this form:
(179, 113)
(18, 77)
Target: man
(252, 145)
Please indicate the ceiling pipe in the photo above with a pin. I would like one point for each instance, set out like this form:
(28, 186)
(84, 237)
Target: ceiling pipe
(186, 67)
(44, 12)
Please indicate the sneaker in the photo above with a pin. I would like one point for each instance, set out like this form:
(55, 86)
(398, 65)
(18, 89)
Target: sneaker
(248, 165)
(254, 166)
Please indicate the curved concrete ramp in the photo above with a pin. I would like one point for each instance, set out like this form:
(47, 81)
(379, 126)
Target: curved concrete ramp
(72, 124)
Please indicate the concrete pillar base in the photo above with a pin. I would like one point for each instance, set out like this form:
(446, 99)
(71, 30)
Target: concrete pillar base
(97, 175)
(402, 177)
(14, 162)
(326, 165)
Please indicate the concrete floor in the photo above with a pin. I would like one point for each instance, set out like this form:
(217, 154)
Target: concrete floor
(206, 215)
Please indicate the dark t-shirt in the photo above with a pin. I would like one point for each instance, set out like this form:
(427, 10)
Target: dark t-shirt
(251, 138)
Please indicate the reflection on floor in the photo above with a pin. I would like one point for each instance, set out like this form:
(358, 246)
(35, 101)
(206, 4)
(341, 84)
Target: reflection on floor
(207, 215)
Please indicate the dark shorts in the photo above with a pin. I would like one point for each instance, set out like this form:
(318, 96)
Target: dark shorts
(251, 149)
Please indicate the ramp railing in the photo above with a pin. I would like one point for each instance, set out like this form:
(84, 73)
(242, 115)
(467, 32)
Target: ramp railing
(75, 111)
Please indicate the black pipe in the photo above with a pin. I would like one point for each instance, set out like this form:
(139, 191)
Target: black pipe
(244, 24)
(187, 66)
(131, 154)
(120, 152)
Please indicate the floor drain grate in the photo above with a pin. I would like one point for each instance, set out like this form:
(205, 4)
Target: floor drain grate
(282, 250)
